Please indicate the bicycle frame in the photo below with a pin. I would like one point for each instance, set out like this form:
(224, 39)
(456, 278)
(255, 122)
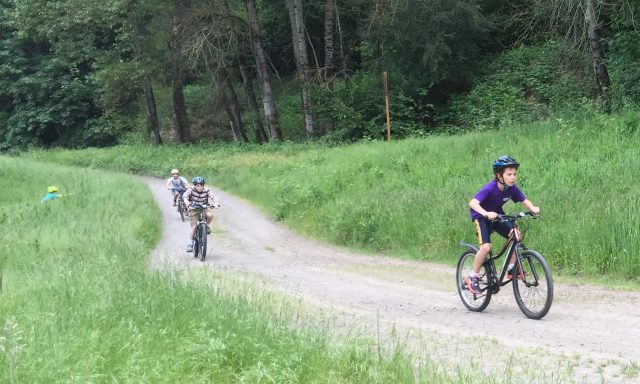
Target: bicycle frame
(513, 246)
(532, 279)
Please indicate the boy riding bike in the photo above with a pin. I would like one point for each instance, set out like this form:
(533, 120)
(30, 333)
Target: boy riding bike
(199, 195)
(485, 207)
(176, 184)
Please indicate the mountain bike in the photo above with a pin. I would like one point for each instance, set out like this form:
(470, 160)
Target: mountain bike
(182, 209)
(532, 281)
(200, 233)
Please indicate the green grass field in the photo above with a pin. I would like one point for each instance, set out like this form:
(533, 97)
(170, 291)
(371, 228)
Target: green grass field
(79, 303)
(409, 198)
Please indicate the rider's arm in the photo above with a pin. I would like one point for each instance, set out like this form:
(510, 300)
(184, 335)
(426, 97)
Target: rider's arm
(530, 206)
(475, 205)
(186, 196)
(168, 184)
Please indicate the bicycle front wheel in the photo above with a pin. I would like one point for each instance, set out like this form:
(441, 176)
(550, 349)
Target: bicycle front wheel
(181, 209)
(533, 290)
(202, 243)
(473, 302)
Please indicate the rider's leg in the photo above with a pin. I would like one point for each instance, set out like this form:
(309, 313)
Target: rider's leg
(483, 231)
(193, 218)
(480, 256)
(175, 198)
(209, 216)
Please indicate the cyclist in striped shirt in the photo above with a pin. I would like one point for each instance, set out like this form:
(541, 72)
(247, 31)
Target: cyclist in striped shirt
(198, 194)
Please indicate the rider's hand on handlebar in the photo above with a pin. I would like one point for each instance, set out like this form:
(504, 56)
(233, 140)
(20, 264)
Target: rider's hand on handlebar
(535, 210)
(491, 215)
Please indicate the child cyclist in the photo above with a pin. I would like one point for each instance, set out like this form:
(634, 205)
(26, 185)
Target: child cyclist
(198, 194)
(485, 207)
(176, 184)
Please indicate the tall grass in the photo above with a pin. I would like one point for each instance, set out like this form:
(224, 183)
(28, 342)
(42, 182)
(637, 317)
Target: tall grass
(410, 197)
(79, 304)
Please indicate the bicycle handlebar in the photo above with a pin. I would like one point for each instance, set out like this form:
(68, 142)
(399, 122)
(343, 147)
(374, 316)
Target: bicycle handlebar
(518, 216)
(203, 206)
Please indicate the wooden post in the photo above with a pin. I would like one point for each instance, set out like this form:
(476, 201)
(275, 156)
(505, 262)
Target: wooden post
(386, 99)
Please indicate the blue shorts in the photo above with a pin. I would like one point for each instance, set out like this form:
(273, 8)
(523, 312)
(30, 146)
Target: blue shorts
(484, 228)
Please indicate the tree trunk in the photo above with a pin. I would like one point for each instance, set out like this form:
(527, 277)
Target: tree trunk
(595, 47)
(177, 92)
(258, 129)
(343, 61)
(234, 129)
(235, 112)
(328, 37)
(151, 113)
(263, 73)
(294, 32)
(298, 38)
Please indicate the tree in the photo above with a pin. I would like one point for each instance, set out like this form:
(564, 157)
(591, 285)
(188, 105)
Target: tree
(247, 82)
(263, 72)
(302, 62)
(328, 37)
(137, 16)
(597, 57)
(180, 21)
(577, 20)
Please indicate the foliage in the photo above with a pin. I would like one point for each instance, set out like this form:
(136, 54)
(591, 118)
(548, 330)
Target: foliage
(79, 303)
(426, 42)
(623, 59)
(525, 84)
(410, 197)
(72, 70)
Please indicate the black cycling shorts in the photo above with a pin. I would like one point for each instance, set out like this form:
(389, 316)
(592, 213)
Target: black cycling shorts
(484, 228)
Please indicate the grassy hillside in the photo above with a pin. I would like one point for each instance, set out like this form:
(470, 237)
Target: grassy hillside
(410, 197)
(79, 304)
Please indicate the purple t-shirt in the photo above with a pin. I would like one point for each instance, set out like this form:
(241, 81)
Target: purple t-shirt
(492, 199)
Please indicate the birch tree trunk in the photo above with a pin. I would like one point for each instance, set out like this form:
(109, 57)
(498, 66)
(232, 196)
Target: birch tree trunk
(328, 37)
(263, 73)
(258, 129)
(302, 63)
(177, 91)
(595, 47)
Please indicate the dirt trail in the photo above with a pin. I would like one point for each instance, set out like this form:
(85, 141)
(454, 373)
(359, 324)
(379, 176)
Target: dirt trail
(590, 334)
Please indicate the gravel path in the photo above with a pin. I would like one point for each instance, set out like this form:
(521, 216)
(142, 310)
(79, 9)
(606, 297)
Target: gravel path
(589, 335)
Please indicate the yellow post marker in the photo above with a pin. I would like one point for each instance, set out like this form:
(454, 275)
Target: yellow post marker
(386, 99)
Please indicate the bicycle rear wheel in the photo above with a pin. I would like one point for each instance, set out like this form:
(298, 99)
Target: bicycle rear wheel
(202, 244)
(534, 291)
(473, 302)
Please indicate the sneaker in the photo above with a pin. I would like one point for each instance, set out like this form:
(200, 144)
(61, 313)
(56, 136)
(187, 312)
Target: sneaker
(190, 247)
(208, 230)
(510, 274)
(473, 284)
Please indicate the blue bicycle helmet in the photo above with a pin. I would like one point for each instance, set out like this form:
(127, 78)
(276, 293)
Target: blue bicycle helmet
(504, 162)
(198, 180)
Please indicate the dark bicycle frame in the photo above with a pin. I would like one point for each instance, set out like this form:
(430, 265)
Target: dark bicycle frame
(513, 244)
(200, 232)
(181, 207)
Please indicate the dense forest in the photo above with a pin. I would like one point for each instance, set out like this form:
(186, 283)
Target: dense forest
(79, 73)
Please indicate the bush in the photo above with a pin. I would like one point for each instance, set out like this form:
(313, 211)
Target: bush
(526, 84)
